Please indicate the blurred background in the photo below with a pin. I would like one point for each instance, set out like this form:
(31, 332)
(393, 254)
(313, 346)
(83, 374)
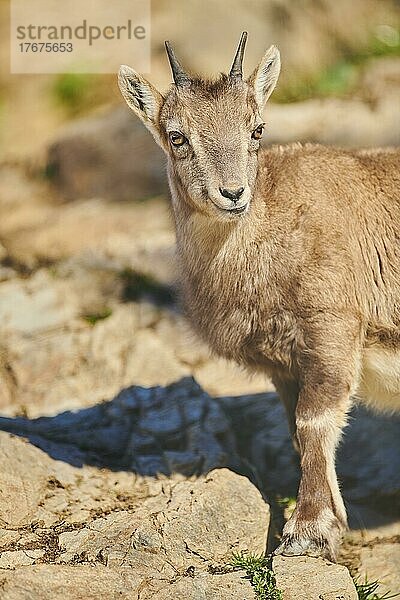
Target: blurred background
(87, 276)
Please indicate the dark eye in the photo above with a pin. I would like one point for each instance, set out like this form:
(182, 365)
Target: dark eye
(257, 133)
(176, 138)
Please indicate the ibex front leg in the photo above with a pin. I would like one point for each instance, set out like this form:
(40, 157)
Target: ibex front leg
(328, 375)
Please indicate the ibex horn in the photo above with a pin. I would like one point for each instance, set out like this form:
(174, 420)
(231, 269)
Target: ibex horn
(179, 75)
(236, 69)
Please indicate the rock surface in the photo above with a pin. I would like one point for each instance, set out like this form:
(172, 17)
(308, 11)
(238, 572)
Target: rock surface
(78, 515)
(304, 578)
(381, 562)
(100, 583)
(36, 229)
(65, 531)
(83, 533)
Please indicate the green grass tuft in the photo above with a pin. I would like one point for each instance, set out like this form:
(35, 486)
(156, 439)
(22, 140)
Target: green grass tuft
(367, 591)
(92, 318)
(71, 90)
(258, 570)
(78, 93)
(287, 502)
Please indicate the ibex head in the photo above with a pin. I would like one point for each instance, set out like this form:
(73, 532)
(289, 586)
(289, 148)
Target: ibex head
(210, 130)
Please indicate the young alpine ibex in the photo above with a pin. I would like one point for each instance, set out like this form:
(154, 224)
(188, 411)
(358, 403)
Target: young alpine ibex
(290, 264)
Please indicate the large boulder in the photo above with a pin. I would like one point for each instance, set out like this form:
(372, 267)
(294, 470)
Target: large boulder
(110, 156)
(47, 582)
(188, 524)
(304, 578)
(87, 533)
(90, 533)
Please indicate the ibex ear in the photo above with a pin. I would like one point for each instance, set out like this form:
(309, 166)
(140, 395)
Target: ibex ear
(141, 97)
(264, 77)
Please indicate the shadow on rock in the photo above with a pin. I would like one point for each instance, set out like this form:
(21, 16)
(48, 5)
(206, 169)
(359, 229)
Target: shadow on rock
(180, 428)
(177, 428)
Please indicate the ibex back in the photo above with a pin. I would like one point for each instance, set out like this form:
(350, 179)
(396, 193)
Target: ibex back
(290, 264)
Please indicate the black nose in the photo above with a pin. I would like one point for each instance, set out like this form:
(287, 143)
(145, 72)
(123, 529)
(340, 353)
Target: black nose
(232, 194)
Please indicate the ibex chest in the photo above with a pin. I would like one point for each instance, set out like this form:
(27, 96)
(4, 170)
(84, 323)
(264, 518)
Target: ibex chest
(240, 316)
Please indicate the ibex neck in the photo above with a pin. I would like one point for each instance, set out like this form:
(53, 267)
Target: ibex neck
(201, 237)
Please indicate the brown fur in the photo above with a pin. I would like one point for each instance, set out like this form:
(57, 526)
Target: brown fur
(297, 286)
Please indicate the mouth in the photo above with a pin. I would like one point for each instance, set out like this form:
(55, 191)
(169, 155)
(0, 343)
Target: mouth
(236, 210)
